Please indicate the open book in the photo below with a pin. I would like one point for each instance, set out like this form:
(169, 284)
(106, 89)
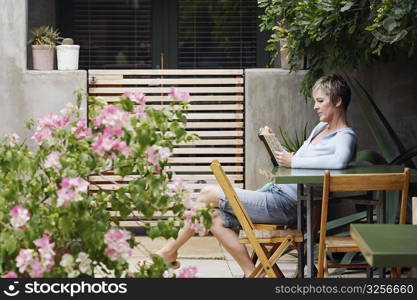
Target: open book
(271, 142)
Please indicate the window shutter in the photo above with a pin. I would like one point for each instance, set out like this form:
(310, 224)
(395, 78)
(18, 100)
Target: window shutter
(113, 34)
(217, 33)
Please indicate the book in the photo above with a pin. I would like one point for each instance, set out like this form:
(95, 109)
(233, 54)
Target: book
(271, 143)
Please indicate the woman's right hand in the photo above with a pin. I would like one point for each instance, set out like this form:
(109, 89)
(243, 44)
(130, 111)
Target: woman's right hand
(284, 158)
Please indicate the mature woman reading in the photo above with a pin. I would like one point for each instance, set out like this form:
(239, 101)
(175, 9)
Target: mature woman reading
(331, 145)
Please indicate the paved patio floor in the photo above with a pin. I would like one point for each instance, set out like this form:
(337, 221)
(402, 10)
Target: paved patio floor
(212, 260)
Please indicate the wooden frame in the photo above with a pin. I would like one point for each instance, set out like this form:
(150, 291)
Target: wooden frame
(356, 182)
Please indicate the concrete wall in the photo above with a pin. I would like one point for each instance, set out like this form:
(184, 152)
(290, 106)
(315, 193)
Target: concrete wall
(272, 98)
(25, 93)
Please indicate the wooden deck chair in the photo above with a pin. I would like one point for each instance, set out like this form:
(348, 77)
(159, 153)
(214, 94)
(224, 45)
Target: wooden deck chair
(259, 236)
(356, 182)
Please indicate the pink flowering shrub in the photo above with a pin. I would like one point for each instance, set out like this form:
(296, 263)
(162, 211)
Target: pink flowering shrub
(53, 225)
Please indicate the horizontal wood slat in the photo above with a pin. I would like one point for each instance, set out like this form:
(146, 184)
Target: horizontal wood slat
(167, 81)
(194, 98)
(213, 142)
(167, 72)
(159, 90)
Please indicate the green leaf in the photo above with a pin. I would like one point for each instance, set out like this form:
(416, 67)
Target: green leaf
(347, 6)
(390, 24)
(405, 156)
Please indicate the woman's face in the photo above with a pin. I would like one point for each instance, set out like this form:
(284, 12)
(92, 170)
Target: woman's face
(324, 107)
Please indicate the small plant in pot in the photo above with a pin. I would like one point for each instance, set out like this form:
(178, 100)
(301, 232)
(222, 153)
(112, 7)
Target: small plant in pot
(67, 55)
(44, 40)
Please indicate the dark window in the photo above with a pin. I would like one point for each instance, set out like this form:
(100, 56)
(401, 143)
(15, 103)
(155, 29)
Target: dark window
(112, 33)
(217, 34)
(138, 34)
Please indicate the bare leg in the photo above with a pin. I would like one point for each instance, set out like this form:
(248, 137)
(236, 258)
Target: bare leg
(227, 237)
(230, 240)
(170, 251)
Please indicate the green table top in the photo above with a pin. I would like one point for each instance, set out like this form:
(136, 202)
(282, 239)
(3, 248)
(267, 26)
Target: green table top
(387, 245)
(315, 176)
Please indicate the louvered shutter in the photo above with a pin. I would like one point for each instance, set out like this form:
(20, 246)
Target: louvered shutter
(113, 34)
(217, 33)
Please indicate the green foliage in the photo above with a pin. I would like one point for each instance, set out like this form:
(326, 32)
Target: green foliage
(292, 144)
(45, 35)
(337, 34)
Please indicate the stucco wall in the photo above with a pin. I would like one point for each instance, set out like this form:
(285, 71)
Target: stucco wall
(25, 93)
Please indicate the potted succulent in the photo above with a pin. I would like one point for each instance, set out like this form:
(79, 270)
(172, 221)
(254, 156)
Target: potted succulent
(67, 55)
(44, 40)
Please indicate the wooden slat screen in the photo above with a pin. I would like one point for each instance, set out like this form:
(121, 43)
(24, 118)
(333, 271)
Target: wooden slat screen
(216, 114)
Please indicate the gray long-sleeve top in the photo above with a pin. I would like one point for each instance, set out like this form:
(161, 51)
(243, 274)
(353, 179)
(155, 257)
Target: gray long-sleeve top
(334, 151)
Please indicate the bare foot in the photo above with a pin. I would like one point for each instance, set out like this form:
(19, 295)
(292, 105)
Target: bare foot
(168, 256)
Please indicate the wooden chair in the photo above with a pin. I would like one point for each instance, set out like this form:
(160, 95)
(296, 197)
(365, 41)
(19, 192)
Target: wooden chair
(259, 236)
(357, 182)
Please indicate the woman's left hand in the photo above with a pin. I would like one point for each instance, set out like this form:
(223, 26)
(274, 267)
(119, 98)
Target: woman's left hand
(284, 158)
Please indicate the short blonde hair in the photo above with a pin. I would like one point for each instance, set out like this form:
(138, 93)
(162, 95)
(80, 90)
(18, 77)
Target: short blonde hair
(334, 86)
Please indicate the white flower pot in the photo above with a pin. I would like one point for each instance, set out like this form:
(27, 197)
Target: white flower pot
(67, 56)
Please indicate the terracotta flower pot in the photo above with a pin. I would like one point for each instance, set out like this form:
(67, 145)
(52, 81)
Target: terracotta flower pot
(43, 57)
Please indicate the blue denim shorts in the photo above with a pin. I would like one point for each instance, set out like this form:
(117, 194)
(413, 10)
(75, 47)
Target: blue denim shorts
(268, 205)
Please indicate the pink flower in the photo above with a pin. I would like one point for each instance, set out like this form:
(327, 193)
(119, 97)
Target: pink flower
(81, 130)
(113, 116)
(188, 272)
(71, 187)
(47, 254)
(19, 217)
(10, 274)
(140, 111)
(52, 161)
(152, 155)
(36, 269)
(118, 246)
(174, 95)
(136, 97)
(47, 125)
(157, 153)
(24, 259)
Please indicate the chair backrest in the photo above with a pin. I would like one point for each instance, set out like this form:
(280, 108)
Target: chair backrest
(231, 196)
(369, 182)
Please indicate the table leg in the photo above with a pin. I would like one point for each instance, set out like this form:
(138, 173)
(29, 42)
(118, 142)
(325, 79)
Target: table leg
(300, 246)
(310, 234)
(370, 216)
(381, 220)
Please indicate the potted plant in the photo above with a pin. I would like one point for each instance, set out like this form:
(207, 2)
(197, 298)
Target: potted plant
(67, 55)
(44, 40)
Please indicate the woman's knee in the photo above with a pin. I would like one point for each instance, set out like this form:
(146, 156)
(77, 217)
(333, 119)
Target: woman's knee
(209, 195)
(216, 221)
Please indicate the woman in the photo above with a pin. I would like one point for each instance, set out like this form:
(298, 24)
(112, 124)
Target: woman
(331, 145)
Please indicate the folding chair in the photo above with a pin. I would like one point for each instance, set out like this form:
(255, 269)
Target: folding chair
(259, 236)
(356, 182)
